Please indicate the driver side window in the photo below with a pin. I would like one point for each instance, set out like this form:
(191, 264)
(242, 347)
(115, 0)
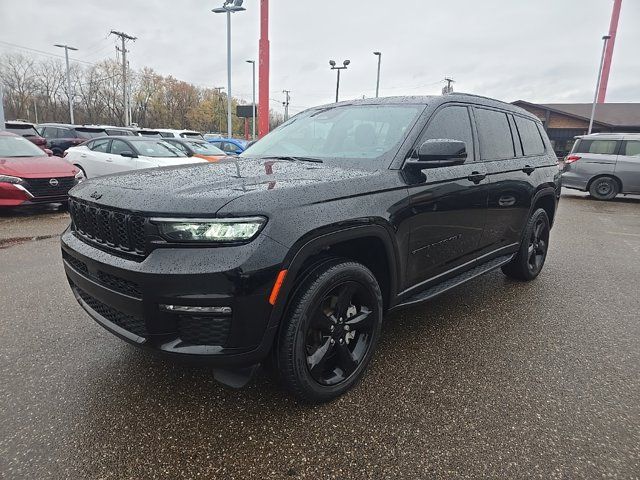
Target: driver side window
(452, 123)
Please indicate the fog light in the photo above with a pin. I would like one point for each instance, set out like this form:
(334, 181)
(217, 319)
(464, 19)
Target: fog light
(189, 309)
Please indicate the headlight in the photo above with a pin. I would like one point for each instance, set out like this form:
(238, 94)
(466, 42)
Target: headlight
(79, 177)
(10, 179)
(214, 230)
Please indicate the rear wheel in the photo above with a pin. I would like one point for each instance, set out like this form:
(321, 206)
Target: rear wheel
(529, 260)
(331, 331)
(604, 188)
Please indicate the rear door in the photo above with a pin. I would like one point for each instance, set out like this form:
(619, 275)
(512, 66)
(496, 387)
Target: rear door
(512, 149)
(628, 166)
(447, 205)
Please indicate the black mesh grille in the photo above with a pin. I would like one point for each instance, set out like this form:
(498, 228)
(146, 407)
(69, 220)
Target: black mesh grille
(79, 265)
(113, 230)
(130, 323)
(43, 187)
(203, 330)
(119, 284)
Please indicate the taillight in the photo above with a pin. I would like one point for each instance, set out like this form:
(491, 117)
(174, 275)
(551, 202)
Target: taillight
(572, 158)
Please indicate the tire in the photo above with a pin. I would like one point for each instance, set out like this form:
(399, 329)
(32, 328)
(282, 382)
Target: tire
(604, 188)
(528, 262)
(330, 331)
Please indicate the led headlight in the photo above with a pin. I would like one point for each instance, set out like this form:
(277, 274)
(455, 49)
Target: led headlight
(10, 179)
(213, 230)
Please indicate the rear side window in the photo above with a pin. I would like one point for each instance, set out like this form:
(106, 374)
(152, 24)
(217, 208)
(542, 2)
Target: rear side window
(494, 135)
(452, 123)
(631, 148)
(65, 133)
(605, 147)
(100, 145)
(530, 136)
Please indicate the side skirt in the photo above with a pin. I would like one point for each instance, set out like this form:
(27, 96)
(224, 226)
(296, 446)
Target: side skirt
(453, 282)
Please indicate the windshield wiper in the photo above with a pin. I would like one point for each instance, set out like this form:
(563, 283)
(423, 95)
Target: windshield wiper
(295, 159)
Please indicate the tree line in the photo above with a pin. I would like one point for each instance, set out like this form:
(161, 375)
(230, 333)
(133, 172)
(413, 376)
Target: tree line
(36, 90)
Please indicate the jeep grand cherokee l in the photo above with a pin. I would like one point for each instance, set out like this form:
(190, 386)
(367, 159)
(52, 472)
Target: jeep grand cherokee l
(294, 251)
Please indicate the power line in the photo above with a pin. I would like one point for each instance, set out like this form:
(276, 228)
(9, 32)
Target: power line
(41, 52)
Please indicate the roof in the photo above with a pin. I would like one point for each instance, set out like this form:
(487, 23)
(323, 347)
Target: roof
(612, 114)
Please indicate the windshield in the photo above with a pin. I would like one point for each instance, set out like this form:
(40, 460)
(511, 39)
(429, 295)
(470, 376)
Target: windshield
(363, 133)
(157, 148)
(27, 130)
(203, 148)
(191, 135)
(85, 133)
(18, 147)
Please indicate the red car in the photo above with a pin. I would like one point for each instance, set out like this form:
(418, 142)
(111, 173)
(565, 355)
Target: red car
(27, 130)
(29, 176)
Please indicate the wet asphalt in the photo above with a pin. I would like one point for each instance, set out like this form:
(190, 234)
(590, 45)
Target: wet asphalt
(496, 379)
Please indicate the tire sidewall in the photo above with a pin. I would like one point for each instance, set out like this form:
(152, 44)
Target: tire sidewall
(593, 189)
(292, 340)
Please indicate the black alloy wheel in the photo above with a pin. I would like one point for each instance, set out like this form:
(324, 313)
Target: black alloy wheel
(330, 332)
(529, 260)
(538, 244)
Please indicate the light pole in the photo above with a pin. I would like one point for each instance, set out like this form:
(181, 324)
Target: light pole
(379, 55)
(343, 67)
(69, 94)
(287, 98)
(595, 97)
(253, 112)
(229, 7)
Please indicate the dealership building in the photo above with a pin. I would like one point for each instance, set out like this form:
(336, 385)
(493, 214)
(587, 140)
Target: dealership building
(563, 121)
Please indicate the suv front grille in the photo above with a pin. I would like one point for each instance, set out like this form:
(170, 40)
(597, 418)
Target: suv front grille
(204, 330)
(111, 229)
(42, 187)
(129, 323)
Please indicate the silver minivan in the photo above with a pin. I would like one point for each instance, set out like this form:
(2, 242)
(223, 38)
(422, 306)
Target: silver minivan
(604, 164)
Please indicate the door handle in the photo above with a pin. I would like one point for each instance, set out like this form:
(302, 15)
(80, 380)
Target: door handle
(109, 160)
(83, 156)
(528, 169)
(476, 177)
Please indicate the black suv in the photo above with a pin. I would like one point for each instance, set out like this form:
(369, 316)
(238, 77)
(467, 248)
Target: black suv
(61, 136)
(294, 251)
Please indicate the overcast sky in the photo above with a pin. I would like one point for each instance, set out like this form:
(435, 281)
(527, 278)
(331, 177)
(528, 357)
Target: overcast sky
(536, 50)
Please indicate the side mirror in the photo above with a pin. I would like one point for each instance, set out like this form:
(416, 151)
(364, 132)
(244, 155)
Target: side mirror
(48, 152)
(439, 153)
(128, 154)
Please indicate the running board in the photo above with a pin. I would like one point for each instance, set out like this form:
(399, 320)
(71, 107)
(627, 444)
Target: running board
(453, 282)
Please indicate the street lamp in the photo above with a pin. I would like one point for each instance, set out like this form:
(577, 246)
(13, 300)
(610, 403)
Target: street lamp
(69, 94)
(229, 7)
(253, 125)
(343, 67)
(595, 97)
(379, 55)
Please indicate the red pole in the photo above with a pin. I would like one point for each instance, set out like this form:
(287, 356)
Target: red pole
(606, 66)
(263, 74)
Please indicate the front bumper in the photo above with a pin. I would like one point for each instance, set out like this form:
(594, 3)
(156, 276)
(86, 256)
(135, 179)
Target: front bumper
(124, 296)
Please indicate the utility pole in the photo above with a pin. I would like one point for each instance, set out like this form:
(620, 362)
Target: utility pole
(253, 104)
(286, 104)
(125, 104)
(605, 40)
(69, 94)
(448, 88)
(263, 73)
(218, 99)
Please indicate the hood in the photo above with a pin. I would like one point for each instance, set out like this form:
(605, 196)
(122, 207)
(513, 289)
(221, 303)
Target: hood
(35, 167)
(203, 189)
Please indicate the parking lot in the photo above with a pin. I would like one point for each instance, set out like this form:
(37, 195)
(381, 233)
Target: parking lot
(496, 378)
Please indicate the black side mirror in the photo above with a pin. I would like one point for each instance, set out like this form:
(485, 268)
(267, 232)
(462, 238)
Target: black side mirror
(439, 153)
(128, 154)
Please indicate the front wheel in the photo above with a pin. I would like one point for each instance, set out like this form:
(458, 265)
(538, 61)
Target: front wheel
(529, 260)
(330, 332)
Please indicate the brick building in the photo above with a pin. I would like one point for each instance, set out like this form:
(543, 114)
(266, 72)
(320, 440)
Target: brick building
(563, 121)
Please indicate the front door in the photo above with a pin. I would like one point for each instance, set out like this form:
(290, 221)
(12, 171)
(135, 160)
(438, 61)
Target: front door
(628, 166)
(118, 163)
(447, 205)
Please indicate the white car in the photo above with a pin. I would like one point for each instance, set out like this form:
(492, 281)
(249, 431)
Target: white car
(172, 133)
(106, 155)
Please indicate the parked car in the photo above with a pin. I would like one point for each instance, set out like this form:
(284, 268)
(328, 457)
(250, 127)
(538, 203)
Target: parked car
(29, 176)
(61, 136)
(28, 131)
(172, 133)
(119, 131)
(106, 155)
(295, 250)
(148, 132)
(230, 145)
(197, 148)
(604, 164)
(211, 136)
